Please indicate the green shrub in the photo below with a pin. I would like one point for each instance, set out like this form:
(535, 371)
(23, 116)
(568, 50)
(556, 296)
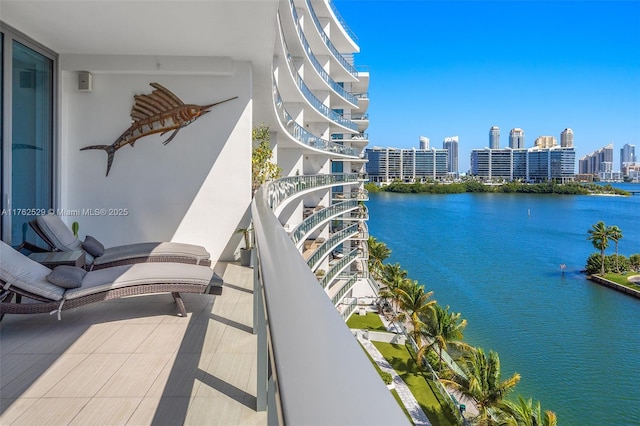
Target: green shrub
(387, 378)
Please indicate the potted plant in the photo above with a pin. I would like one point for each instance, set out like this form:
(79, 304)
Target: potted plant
(245, 252)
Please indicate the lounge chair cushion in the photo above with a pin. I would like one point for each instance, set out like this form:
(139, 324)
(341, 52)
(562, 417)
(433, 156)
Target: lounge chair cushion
(59, 233)
(18, 270)
(66, 276)
(93, 246)
(158, 249)
(142, 273)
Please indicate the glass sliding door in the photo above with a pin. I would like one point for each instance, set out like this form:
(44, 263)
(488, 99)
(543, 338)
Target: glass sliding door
(28, 142)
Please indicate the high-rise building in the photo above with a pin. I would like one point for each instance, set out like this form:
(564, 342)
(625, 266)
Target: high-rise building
(494, 137)
(408, 165)
(531, 165)
(424, 142)
(451, 145)
(516, 138)
(546, 142)
(627, 155)
(598, 163)
(566, 138)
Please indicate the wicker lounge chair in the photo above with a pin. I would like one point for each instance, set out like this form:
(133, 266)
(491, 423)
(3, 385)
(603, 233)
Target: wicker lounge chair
(22, 277)
(59, 237)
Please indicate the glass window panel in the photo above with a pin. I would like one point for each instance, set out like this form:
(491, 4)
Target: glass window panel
(32, 138)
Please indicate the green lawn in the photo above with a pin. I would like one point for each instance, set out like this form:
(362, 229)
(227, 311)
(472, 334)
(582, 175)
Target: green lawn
(371, 321)
(622, 280)
(393, 391)
(424, 390)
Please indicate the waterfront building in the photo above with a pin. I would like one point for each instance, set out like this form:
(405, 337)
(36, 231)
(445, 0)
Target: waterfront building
(546, 142)
(530, 165)
(516, 138)
(494, 137)
(385, 165)
(451, 145)
(424, 142)
(627, 156)
(566, 138)
(288, 64)
(632, 172)
(598, 162)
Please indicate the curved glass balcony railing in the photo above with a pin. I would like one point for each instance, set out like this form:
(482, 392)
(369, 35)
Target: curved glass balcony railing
(345, 289)
(330, 45)
(331, 242)
(338, 267)
(316, 64)
(322, 216)
(353, 304)
(281, 189)
(343, 23)
(316, 103)
(302, 135)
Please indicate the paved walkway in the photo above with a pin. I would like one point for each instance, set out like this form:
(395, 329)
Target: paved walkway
(417, 415)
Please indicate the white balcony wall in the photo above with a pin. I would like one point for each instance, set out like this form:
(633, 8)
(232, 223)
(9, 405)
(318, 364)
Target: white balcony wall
(181, 191)
(291, 161)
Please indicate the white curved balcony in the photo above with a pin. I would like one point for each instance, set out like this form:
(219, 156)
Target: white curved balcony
(302, 135)
(330, 244)
(325, 38)
(338, 267)
(343, 288)
(286, 188)
(313, 222)
(318, 106)
(351, 99)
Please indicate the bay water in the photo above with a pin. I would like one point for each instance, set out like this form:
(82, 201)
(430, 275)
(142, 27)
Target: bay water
(496, 259)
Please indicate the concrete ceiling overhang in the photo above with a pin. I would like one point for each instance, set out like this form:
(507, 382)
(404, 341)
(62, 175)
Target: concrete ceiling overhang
(239, 29)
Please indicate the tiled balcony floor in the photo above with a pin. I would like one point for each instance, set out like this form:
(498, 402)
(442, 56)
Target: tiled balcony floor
(134, 361)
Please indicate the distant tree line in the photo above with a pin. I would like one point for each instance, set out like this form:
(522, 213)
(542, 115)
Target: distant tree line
(550, 187)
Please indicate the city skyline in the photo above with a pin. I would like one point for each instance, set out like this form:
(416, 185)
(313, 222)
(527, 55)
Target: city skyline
(441, 70)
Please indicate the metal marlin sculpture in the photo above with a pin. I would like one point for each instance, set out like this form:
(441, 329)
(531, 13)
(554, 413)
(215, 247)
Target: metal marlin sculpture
(158, 112)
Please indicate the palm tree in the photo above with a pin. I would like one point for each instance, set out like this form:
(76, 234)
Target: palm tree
(525, 413)
(394, 277)
(483, 384)
(616, 236)
(378, 253)
(444, 328)
(415, 304)
(599, 235)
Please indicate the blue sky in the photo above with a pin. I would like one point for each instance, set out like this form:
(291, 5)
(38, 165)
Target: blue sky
(447, 68)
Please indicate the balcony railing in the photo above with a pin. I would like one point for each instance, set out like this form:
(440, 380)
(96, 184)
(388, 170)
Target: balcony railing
(281, 189)
(302, 135)
(330, 45)
(287, 348)
(342, 22)
(338, 267)
(349, 309)
(322, 216)
(335, 239)
(308, 94)
(316, 64)
(345, 289)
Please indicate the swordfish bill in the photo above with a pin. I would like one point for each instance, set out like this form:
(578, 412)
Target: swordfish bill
(161, 111)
